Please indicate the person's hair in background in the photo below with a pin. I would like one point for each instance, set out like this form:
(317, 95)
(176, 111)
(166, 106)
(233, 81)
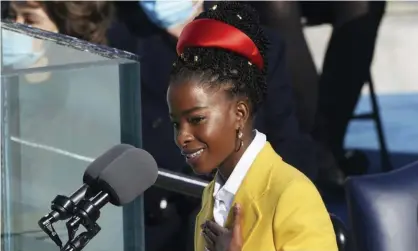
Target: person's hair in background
(87, 20)
(225, 72)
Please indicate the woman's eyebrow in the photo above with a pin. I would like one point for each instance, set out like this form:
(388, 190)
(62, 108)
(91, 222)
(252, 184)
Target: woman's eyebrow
(188, 111)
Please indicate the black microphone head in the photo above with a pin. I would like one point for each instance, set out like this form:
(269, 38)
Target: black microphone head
(129, 176)
(100, 163)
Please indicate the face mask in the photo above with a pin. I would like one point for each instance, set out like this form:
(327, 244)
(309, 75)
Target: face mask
(17, 50)
(166, 14)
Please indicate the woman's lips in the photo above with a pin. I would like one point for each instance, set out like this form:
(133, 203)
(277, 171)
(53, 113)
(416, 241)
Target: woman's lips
(192, 156)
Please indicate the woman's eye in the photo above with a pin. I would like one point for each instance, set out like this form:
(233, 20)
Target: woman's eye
(196, 120)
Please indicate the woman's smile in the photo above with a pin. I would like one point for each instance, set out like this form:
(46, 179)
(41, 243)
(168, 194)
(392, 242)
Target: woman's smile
(192, 157)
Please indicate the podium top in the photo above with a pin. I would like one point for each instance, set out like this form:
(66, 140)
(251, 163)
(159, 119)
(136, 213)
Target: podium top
(61, 51)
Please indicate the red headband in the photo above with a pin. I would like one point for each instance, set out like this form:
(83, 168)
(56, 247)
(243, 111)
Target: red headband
(213, 33)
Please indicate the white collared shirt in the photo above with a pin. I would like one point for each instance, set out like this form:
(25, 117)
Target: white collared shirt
(224, 195)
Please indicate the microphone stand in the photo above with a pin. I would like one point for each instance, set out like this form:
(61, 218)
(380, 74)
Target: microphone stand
(62, 208)
(46, 225)
(87, 214)
(79, 242)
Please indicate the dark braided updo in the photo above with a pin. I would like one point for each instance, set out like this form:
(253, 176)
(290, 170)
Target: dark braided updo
(220, 68)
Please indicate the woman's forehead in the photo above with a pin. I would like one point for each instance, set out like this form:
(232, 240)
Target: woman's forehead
(29, 8)
(26, 4)
(188, 95)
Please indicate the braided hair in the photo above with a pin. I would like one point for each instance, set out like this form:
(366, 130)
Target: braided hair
(223, 69)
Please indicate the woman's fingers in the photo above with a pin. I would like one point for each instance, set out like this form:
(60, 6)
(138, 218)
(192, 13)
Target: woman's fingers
(212, 236)
(209, 243)
(215, 228)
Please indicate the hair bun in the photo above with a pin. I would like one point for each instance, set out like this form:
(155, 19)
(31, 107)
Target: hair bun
(242, 11)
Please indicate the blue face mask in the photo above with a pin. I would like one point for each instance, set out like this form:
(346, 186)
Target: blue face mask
(17, 50)
(166, 14)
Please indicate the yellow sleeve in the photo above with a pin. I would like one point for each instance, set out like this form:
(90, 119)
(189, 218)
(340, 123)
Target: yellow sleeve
(301, 221)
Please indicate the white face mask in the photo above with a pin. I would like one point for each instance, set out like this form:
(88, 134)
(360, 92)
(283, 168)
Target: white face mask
(166, 14)
(17, 50)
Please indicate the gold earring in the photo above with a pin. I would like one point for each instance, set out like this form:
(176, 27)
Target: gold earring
(240, 141)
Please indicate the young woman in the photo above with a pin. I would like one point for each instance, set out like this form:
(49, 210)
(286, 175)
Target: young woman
(217, 84)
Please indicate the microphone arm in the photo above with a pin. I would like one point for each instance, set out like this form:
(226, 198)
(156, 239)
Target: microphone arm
(78, 242)
(88, 212)
(46, 224)
(62, 207)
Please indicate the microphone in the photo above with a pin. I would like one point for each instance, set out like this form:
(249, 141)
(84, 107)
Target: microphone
(123, 180)
(63, 207)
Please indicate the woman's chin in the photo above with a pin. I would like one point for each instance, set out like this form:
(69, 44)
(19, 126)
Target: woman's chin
(201, 170)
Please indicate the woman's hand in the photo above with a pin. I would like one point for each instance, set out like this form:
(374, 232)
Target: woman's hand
(223, 239)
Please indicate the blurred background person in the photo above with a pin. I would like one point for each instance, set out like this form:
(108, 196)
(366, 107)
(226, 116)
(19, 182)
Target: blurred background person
(43, 95)
(326, 101)
(86, 20)
(89, 21)
(172, 16)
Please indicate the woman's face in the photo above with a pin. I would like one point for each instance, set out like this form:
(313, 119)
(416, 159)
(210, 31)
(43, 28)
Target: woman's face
(31, 13)
(205, 124)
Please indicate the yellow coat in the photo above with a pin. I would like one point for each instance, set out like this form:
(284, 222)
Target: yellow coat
(282, 209)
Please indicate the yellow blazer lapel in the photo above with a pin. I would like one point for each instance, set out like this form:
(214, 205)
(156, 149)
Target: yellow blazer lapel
(251, 214)
(206, 213)
(254, 186)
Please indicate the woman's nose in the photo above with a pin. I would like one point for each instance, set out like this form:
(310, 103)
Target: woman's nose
(183, 138)
(20, 19)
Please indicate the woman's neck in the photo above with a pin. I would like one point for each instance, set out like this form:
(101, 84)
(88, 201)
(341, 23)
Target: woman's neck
(226, 168)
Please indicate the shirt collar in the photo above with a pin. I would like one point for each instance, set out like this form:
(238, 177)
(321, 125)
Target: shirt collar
(237, 176)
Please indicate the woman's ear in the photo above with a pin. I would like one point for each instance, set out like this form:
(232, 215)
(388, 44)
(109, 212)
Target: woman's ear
(242, 113)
